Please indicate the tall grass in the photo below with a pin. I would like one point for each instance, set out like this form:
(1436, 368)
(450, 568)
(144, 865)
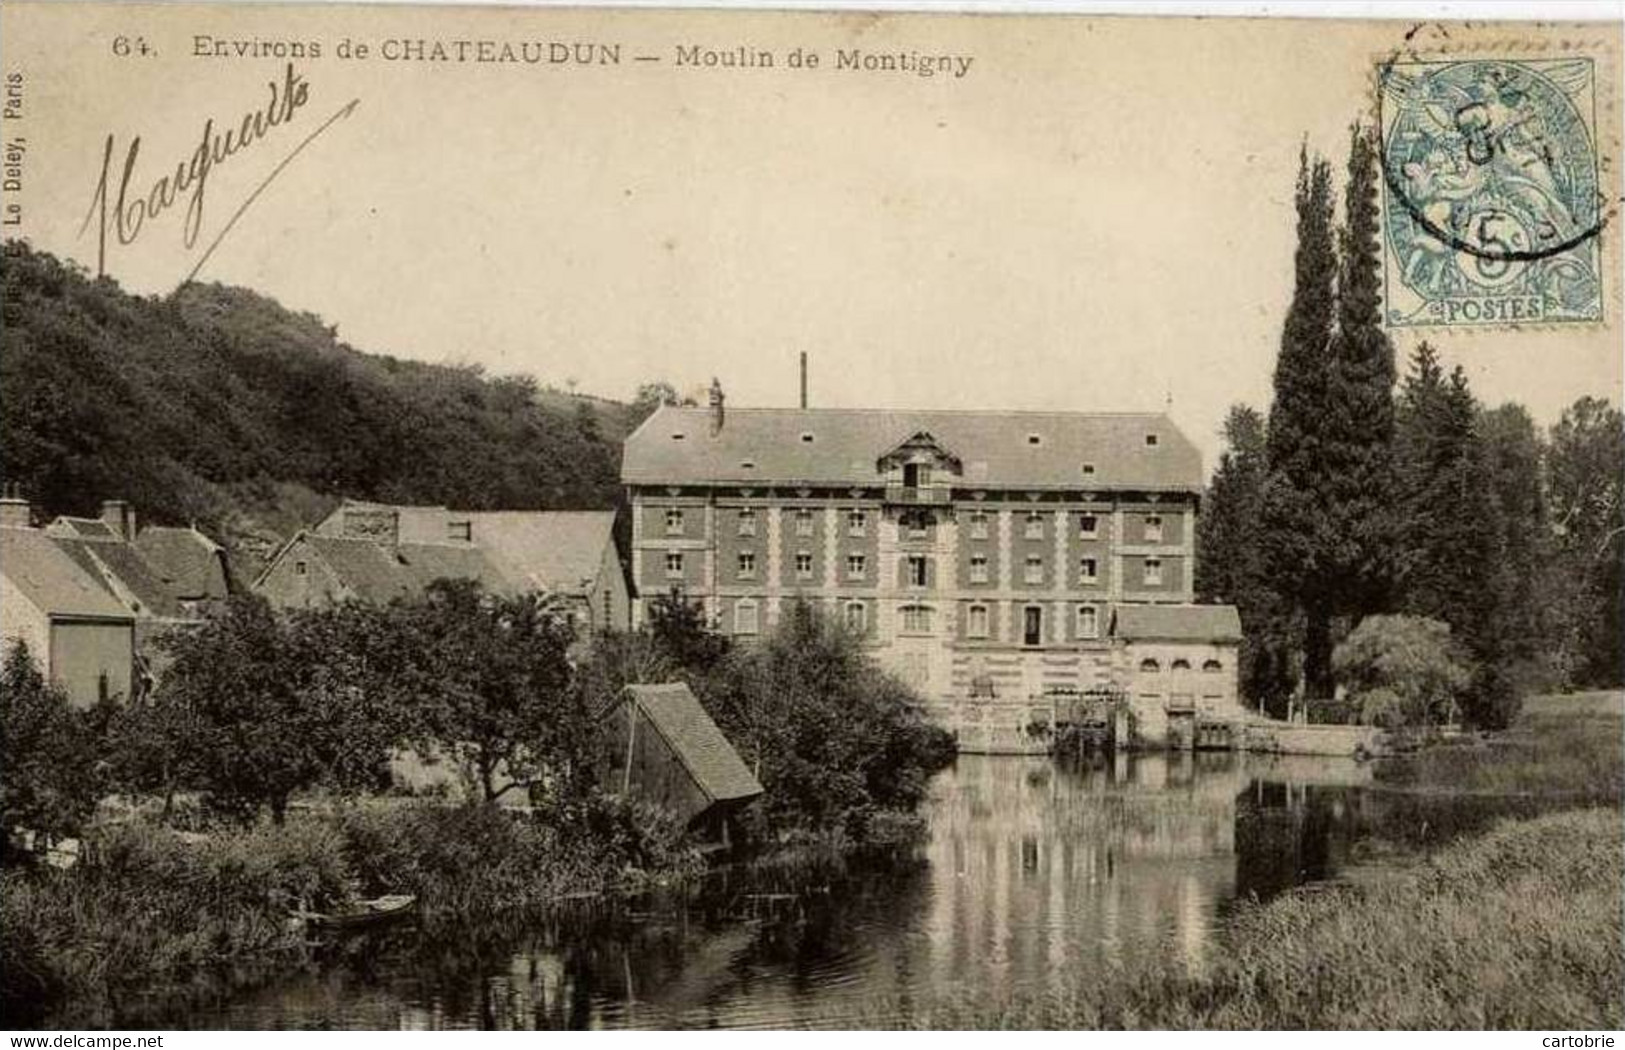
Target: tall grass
(1566, 747)
(1517, 928)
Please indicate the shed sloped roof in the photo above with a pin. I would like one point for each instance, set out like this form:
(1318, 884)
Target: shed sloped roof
(843, 446)
(556, 551)
(710, 759)
(52, 580)
(1178, 623)
(188, 561)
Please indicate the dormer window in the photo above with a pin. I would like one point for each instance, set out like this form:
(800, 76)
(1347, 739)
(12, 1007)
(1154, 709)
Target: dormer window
(678, 435)
(749, 464)
(1088, 470)
(1151, 440)
(1035, 439)
(806, 438)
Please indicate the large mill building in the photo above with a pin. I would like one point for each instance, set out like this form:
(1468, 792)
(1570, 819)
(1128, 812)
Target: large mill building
(987, 557)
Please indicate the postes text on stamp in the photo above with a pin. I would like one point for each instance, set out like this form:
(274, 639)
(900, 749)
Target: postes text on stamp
(1491, 203)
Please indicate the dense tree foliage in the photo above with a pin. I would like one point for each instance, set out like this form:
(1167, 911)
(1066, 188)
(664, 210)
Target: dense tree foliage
(1587, 506)
(214, 403)
(838, 743)
(49, 782)
(1360, 500)
(1231, 566)
(491, 679)
(269, 705)
(1404, 671)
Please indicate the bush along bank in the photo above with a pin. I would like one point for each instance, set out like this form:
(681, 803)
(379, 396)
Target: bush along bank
(151, 914)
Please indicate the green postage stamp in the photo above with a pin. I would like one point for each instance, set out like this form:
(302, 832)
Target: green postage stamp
(1493, 208)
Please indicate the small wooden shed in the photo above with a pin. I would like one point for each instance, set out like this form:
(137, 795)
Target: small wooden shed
(663, 748)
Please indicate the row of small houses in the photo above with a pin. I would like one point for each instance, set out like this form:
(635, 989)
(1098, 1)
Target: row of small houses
(91, 596)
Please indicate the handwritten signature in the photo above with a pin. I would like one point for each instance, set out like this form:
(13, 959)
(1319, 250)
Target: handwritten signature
(131, 213)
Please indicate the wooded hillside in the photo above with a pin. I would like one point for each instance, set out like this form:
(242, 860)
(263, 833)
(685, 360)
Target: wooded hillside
(219, 406)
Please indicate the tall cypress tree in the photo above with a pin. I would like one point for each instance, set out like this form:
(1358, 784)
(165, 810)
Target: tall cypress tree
(1358, 434)
(1295, 530)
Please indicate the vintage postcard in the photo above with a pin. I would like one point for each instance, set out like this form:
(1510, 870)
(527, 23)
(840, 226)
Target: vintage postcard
(563, 518)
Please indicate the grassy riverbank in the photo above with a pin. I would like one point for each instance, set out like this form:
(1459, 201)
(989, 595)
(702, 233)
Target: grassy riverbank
(1562, 747)
(150, 913)
(1514, 925)
(1517, 928)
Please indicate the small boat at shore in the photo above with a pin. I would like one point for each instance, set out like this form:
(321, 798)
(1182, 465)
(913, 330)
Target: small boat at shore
(364, 913)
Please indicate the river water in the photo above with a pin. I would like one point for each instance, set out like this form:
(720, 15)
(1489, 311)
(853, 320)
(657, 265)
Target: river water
(1035, 873)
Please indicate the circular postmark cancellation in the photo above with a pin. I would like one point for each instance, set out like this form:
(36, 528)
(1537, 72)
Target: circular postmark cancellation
(1493, 200)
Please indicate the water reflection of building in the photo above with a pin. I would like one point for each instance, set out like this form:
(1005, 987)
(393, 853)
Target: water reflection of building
(1037, 864)
(1037, 876)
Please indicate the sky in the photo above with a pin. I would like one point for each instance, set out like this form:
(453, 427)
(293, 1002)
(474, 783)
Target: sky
(1097, 216)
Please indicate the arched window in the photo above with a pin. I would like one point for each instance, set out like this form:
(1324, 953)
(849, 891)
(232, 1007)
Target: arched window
(1180, 665)
(1212, 665)
(1150, 666)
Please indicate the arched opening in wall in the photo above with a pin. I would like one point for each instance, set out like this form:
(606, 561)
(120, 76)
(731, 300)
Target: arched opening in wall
(1180, 665)
(1212, 666)
(1149, 666)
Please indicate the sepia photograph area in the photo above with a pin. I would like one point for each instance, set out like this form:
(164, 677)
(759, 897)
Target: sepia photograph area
(545, 518)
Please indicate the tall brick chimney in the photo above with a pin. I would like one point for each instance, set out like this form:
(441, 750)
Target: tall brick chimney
(716, 406)
(120, 517)
(15, 511)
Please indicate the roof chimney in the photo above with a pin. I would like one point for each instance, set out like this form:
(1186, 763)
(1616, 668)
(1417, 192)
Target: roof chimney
(120, 517)
(803, 380)
(716, 406)
(15, 511)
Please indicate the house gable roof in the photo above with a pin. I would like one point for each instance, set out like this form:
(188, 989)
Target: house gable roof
(52, 580)
(1178, 623)
(188, 561)
(559, 552)
(379, 573)
(844, 447)
(368, 570)
(130, 573)
(694, 738)
(86, 528)
(555, 551)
